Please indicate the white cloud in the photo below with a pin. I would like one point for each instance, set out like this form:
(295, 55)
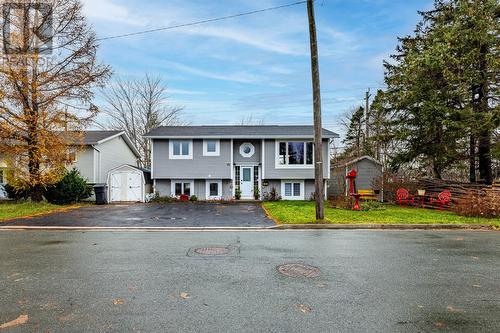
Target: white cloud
(107, 10)
(240, 76)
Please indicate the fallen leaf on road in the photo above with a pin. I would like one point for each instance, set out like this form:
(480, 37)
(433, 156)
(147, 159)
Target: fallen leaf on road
(303, 308)
(476, 286)
(172, 296)
(452, 309)
(118, 301)
(475, 258)
(459, 239)
(132, 289)
(22, 301)
(22, 319)
(320, 285)
(184, 295)
(439, 324)
(420, 306)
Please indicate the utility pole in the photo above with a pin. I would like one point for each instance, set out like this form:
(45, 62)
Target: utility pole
(367, 116)
(318, 144)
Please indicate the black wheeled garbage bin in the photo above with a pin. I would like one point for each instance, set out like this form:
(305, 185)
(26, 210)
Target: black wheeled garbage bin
(100, 194)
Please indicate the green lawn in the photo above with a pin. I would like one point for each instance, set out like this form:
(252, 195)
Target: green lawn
(298, 212)
(11, 210)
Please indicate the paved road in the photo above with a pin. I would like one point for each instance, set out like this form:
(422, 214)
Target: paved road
(176, 214)
(370, 281)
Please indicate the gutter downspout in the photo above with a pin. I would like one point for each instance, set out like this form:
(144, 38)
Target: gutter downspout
(98, 167)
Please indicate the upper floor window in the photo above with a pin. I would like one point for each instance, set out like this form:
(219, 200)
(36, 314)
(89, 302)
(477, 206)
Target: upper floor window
(295, 153)
(181, 149)
(211, 147)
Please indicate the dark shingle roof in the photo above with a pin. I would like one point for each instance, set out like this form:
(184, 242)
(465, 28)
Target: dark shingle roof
(93, 137)
(237, 131)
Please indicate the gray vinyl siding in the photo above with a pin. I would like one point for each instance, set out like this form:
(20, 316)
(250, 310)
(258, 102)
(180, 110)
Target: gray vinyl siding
(368, 172)
(253, 159)
(200, 167)
(163, 187)
(113, 153)
(85, 163)
(271, 172)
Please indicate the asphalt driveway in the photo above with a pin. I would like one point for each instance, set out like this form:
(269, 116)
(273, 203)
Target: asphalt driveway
(155, 215)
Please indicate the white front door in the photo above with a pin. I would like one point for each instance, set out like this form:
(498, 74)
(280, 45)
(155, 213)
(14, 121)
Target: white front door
(246, 182)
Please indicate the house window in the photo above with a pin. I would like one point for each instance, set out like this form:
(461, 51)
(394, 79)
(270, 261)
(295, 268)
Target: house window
(292, 189)
(295, 153)
(214, 189)
(182, 187)
(247, 149)
(211, 147)
(181, 149)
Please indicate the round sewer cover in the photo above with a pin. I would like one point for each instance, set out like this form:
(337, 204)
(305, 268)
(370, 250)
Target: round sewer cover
(212, 251)
(298, 270)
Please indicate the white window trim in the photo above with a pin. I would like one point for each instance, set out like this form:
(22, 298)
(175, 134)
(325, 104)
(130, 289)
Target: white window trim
(217, 148)
(277, 164)
(252, 149)
(180, 157)
(302, 188)
(172, 186)
(207, 189)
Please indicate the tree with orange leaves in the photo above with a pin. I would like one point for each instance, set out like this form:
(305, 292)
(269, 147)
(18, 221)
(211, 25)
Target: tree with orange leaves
(48, 70)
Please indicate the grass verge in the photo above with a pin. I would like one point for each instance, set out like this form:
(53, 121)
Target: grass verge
(303, 212)
(12, 210)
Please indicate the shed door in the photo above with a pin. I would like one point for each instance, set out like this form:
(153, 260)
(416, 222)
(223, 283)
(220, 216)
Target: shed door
(134, 191)
(126, 186)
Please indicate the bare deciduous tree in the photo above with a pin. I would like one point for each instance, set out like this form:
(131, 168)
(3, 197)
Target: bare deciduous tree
(137, 107)
(46, 82)
(249, 120)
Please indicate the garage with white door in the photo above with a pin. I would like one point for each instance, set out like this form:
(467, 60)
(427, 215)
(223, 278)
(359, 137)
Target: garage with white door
(126, 183)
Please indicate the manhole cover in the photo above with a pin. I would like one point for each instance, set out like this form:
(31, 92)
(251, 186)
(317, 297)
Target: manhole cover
(212, 251)
(298, 270)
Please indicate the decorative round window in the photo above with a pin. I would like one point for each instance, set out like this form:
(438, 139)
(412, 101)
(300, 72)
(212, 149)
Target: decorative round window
(247, 149)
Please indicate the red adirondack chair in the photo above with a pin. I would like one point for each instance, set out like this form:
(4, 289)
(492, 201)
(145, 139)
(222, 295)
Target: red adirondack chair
(443, 199)
(404, 197)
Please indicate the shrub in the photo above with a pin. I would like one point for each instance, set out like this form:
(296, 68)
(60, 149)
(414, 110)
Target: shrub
(256, 192)
(193, 198)
(157, 198)
(237, 194)
(478, 203)
(272, 195)
(16, 194)
(70, 189)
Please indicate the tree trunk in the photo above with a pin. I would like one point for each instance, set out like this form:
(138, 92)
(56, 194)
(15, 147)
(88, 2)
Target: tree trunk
(472, 159)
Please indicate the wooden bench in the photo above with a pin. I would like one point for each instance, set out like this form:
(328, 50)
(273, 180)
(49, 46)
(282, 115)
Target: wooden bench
(367, 195)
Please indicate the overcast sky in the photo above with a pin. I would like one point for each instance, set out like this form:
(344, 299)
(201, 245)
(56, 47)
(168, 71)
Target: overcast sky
(259, 64)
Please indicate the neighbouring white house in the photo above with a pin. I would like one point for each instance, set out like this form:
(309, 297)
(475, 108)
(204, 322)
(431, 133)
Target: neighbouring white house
(108, 158)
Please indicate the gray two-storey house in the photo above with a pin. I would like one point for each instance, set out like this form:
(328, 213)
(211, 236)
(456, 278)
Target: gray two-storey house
(216, 162)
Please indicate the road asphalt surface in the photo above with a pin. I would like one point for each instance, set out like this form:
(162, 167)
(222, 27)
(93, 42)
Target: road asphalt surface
(368, 281)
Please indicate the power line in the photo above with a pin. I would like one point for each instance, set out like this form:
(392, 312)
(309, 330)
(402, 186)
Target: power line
(203, 21)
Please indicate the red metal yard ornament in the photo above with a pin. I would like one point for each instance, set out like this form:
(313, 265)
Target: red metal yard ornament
(351, 176)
